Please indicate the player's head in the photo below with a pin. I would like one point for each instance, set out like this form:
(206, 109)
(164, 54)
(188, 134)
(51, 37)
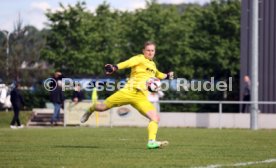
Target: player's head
(149, 50)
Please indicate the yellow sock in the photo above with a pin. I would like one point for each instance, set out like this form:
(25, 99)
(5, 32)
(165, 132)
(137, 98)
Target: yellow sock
(152, 130)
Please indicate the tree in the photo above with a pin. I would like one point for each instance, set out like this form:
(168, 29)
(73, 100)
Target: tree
(3, 57)
(215, 42)
(80, 42)
(197, 42)
(25, 43)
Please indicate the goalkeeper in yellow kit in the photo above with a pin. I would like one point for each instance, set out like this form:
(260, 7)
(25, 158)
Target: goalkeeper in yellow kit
(135, 91)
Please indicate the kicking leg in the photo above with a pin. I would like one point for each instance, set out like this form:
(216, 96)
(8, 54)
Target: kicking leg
(97, 107)
(119, 98)
(91, 109)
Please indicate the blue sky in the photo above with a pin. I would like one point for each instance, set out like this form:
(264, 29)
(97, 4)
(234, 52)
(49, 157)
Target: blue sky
(32, 11)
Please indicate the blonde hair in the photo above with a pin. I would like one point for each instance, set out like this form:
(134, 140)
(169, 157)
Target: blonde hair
(149, 43)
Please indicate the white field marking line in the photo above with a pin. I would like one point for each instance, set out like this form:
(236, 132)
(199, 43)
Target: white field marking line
(239, 164)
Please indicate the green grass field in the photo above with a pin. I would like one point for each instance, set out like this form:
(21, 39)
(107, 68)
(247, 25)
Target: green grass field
(6, 117)
(126, 147)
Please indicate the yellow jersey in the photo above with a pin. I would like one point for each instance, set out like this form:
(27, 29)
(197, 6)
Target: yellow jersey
(141, 70)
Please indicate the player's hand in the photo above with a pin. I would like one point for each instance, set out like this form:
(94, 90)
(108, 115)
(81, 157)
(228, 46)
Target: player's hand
(170, 75)
(109, 68)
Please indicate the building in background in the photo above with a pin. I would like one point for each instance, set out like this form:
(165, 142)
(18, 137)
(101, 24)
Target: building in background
(267, 50)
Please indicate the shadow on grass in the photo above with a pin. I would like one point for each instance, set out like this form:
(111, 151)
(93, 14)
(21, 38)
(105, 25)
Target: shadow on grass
(75, 146)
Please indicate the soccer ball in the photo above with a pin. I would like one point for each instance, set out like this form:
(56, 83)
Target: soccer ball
(153, 84)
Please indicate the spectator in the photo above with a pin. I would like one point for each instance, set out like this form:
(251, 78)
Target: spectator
(246, 91)
(57, 76)
(57, 98)
(78, 94)
(17, 101)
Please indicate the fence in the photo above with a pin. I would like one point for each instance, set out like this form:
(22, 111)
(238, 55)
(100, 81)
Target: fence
(128, 116)
(220, 103)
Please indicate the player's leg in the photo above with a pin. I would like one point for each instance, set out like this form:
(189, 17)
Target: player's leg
(147, 109)
(153, 124)
(117, 99)
(95, 106)
(152, 130)
(100, 107)
(91, 109)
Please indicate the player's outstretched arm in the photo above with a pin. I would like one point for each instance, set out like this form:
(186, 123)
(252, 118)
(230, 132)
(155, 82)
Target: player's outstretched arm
(110, 69)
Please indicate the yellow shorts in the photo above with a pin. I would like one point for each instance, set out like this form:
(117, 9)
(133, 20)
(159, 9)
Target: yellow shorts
(135, 98)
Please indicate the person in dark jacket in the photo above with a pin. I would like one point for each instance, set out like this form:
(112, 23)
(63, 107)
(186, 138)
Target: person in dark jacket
(16, 101)
(57, 98)
(56, 77)
(246, 91)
